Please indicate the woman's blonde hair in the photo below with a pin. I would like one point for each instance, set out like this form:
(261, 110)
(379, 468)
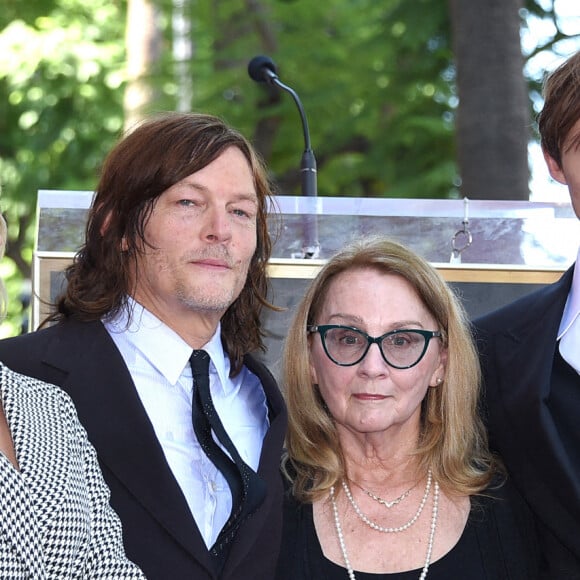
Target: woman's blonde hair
(452, 442)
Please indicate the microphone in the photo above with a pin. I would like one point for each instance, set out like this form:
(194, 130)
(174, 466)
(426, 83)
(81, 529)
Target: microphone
(263, 70)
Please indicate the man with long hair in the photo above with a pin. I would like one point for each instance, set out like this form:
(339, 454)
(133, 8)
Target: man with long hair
(173, 272)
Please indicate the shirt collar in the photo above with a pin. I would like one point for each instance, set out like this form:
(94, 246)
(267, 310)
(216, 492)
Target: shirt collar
(572, 308)
(162, 346)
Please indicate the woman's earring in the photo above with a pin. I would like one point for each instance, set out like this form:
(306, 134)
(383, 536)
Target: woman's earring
(439, 381)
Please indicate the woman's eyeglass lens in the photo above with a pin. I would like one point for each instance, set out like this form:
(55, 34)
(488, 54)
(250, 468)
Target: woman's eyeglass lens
(347, 346)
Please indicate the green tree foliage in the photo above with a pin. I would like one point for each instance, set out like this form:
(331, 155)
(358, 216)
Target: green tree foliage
(376, 78)
(557, 39)
(61, 75)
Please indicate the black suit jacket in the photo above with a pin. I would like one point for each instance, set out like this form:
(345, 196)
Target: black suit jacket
(160, 533)
(532, 400)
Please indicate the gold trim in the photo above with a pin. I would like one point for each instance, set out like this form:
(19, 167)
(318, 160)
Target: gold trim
(294, 268)
(43, 268)
(487, 273)
(499, 274)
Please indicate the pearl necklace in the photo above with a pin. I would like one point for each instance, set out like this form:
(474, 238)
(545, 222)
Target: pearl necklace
(376, 526)
(342, 543)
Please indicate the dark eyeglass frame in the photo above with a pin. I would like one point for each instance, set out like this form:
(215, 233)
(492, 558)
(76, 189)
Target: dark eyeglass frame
(322, 329)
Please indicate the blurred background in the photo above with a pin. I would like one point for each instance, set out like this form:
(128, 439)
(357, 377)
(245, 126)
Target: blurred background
(432, 99)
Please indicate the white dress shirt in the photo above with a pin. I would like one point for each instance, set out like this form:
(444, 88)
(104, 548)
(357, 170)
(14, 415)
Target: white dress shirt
(158, 360)
(569, 331)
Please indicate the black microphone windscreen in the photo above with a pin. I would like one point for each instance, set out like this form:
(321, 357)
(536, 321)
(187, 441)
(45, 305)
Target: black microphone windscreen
(261, 69)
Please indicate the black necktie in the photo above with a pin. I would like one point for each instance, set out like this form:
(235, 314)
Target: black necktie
(248, 490)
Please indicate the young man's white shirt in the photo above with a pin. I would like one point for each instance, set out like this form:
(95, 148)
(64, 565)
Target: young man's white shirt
(569, 331)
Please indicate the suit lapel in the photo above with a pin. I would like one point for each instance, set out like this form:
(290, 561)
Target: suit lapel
(525, 354)
(268, 468)
(110, 410)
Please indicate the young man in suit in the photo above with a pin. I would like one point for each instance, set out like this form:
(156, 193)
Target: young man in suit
(173, 272)
(530, 355)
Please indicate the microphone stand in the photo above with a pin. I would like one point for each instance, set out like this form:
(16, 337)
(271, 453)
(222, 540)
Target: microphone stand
(308, 171)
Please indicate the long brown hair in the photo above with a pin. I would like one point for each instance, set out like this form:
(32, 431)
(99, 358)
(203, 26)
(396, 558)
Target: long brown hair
(146, 162)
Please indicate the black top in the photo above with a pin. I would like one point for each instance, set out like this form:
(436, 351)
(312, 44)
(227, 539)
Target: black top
(498, 543)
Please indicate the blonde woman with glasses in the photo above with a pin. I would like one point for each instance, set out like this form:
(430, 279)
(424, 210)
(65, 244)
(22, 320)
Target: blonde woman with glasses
(390, 474)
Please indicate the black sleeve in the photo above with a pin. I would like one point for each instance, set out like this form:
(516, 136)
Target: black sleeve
(506, 534)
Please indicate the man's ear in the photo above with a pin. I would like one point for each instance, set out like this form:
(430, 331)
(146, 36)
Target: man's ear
(104, 227)
(106, 223)
(554, 168)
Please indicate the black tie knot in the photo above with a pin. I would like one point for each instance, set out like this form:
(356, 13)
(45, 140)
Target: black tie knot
(199, 361)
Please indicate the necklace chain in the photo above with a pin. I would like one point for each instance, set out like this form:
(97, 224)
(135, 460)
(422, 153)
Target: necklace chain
(387, 503)
(376, 526)
(342, 543)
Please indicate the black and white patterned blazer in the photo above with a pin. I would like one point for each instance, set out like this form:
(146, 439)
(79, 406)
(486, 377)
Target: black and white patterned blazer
(55, 517)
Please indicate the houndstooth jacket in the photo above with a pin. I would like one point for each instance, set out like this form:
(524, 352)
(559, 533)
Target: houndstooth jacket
(55, 518)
